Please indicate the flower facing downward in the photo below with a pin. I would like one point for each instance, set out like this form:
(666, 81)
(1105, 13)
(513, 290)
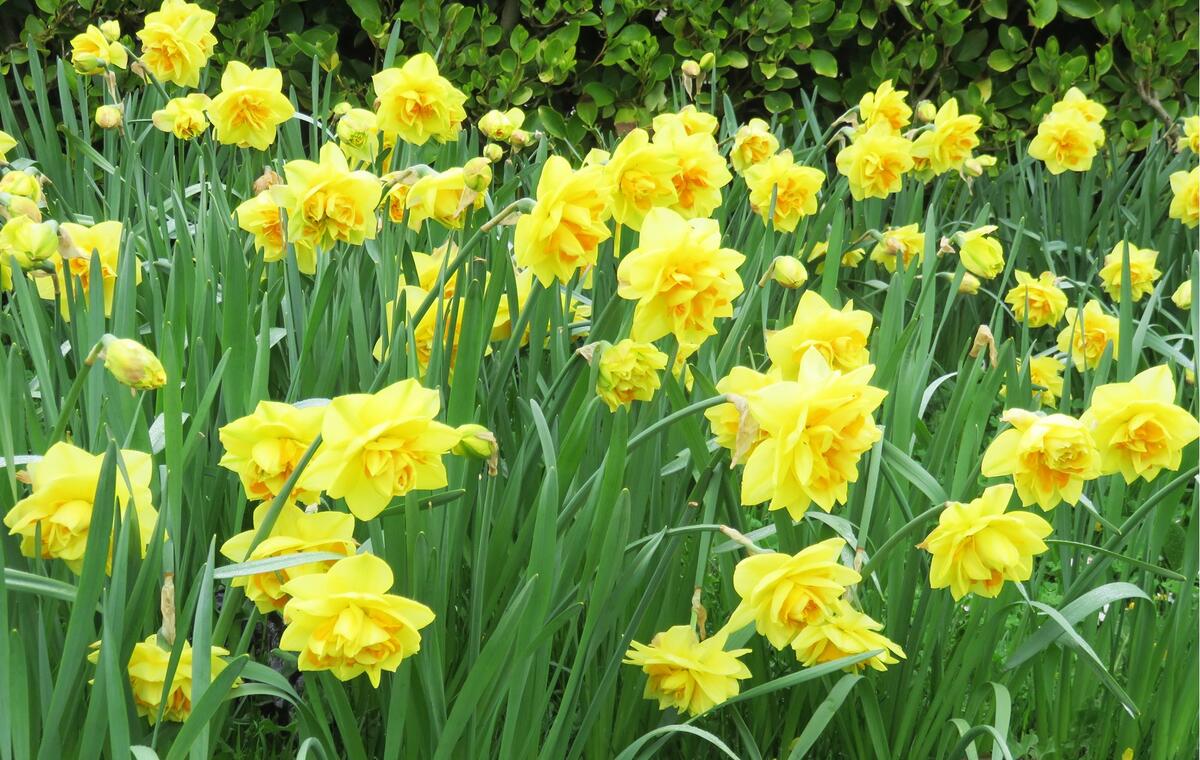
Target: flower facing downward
(183, 117)
(753, 143)
(681, 277)
(563, 232)
(1142, 272)
(981, 254)
(59, 506)
(1037, 302)
(628, 372)
(977, 546)
(250, 106)
(1139, 428)
(683, 672)
(295, 531)
(1182, 297)
(148, 665)
(133, 364)
(839, 334)
(26, 241)
(791, 187)
(265, 447)
(1185, 199)
(416, 103)
(380, 445)
(845, 632)
(177, 41)
(1050, 457)
(1087, 334)
(817, 426)
(642, 176)
(783, 593)
(875, 163)
(92, 52)
(345, 621)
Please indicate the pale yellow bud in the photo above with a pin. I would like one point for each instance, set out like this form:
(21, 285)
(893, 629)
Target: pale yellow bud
(708, 61)
(926, 111)
(133, 364)
(690, 68)
(788, 271)
(969, 285)
(109, 117)
(477, 174)
(111, 30)
(493, 152)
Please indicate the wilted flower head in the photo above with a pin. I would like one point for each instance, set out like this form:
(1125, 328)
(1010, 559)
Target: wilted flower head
(416, 103)
(977, 546)
(345, 621)
(683, 672)
(1138, 427)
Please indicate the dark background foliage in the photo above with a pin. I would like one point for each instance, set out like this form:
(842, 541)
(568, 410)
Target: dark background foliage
(585, 65)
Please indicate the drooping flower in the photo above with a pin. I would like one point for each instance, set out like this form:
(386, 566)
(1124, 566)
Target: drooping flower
(102, 241)
(977, 546)
(845, 632)
(1185, 198)
(250, 107)
(379, 445)
(147, 667)
(1037, 302)
(345, 621)
(326, 202)
(783, 593)
(265, 447)
(177, 42)
(1182, 297)
(1142, 271)
(839, 334)
(183, 117)
(1050, 457)
(875, 163)
(681, 277)
(885, 107)
(701, 170)
(294, 532)
(1138, 427)
(642, 177)
(92, 51)
(1087, 334)
(753, 143)
(818, 427)
(791, 187)
(61, 501)
(416, 103)
(906, 243)
(981, 254)
(629, 371)
(947, 145)
(683, 672)
(562, 234)
(26, 241)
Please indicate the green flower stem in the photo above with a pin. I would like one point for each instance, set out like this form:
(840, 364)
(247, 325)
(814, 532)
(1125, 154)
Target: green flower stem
(60, 426)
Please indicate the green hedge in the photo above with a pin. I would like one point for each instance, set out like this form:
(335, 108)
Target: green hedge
(597, 64)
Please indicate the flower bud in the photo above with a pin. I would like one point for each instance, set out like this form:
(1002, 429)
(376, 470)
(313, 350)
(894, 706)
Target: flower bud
(493, 152)
(976, 165)
(268, 180)
(969, 285)
(690, 68)
(708, 62)
(12, 206)
(111, 30)
(926, 111)
(788, 271)
(341, 109)
(23, 183)
(477, 174)
(496, 125)
(133, 364)
(109, 117)
(477, 442)
(520, 138)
